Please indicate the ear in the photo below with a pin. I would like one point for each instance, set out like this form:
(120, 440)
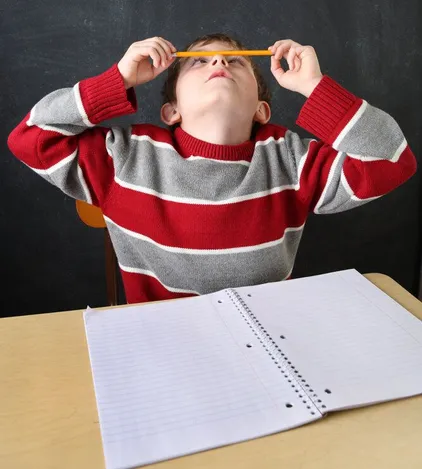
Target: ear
(262, 113)
(169, 114)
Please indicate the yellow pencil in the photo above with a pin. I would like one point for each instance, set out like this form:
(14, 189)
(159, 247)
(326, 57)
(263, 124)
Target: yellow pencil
(207, 53)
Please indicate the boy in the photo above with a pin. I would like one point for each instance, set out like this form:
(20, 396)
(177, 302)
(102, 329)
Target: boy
(221, 198)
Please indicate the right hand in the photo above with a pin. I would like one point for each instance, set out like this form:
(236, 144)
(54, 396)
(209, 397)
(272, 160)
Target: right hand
(135, 67)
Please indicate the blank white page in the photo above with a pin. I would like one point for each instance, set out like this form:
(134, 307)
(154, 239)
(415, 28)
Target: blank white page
(177, 377)
(350, 344)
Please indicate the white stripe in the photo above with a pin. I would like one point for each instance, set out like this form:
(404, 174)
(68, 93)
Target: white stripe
(193, 201)
(329, 179)
(205, 252)
(346, 184)
(84, 185)
(263, 143)
(350, 124)
(155, 143)
(56, 166)
(369, 199)
(80, 106)
(30, 121)
(242, 162)
(134, 270)
(302, 163)
(399, 152)
(52, 128)
(394, 158)
(108, 135)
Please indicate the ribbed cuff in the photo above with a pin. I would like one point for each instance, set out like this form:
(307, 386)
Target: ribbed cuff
(327, 110)
(105, 97)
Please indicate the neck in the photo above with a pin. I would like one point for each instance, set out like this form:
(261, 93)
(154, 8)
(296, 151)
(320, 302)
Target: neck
(218, 130)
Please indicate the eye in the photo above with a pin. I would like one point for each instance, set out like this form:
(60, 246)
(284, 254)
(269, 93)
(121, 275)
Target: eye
(236, 60)
(199, 60)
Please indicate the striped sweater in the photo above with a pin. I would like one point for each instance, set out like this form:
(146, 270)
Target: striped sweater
(187, 217)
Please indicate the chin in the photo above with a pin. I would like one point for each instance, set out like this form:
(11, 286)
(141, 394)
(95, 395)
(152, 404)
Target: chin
(220, 96)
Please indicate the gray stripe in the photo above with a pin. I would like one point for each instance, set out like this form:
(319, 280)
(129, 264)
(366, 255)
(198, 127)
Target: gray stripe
(206, 274)
(296, 149)
(165, 171)
(62, 105)
(67, 179)
(118, 141)
(341, 203)
(375, 134)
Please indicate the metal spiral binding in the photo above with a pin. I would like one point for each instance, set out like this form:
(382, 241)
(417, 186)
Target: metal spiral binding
(289, 371)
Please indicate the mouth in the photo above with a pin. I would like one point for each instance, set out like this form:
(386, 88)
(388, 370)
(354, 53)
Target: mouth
(220, 74)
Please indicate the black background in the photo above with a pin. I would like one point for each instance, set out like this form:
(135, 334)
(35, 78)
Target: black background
(51, 261)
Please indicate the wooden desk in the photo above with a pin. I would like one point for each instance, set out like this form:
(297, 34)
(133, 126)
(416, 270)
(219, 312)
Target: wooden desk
(48, 416)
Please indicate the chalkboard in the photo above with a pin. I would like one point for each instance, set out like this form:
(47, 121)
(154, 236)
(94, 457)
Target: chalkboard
(52, 262)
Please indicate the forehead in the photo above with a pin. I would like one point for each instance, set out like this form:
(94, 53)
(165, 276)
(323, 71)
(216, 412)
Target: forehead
(215, 45)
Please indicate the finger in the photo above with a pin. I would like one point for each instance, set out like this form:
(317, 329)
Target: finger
(284, 42)
(163, 49)
(166, 47)
(276, 68)
(162, 68)
(305, 51)
(172, 47)
(281, 51)
(155, 56)
(154, 50)
(276, 46)
(291, 58)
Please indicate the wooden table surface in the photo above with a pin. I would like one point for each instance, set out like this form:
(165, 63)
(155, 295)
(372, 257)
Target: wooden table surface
(49, 420)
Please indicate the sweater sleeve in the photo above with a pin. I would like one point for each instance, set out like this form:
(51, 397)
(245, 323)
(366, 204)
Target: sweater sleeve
(59, 141)
(362, 153)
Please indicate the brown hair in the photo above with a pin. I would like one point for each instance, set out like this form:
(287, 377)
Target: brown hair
(168, 91)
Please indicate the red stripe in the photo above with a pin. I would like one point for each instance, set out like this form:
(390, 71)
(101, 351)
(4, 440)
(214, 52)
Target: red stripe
(206, 226)
(316, 169)
(270, 130)
(55, 147)
(375, 178)
(140, 288)
(22, 142)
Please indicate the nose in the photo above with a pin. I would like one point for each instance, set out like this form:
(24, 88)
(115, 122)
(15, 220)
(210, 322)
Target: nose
(219, 60)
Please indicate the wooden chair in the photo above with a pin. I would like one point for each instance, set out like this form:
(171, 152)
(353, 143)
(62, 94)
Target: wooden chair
(93, 217)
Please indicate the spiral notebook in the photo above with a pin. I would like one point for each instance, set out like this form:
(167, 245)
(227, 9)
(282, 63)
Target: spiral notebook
(178, 377)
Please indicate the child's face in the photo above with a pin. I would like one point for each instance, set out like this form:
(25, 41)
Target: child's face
(196, 91)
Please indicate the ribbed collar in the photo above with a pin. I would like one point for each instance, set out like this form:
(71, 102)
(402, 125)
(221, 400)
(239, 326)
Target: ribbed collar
(191, 146)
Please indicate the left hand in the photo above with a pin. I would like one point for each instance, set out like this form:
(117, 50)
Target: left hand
(304, 72)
